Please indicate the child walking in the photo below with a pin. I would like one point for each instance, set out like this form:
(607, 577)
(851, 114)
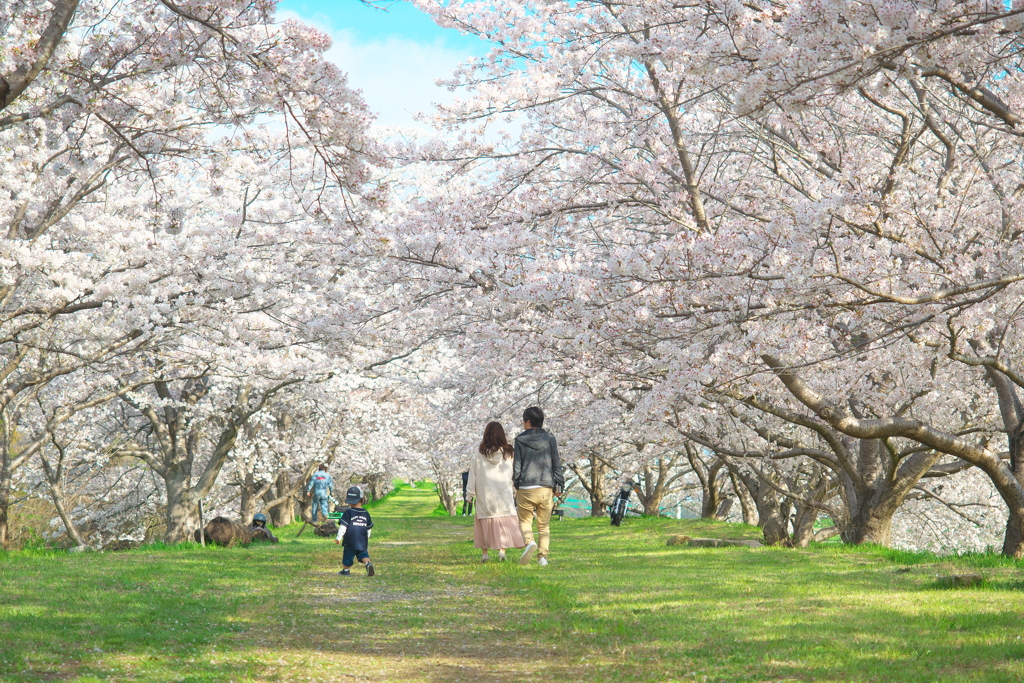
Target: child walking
(354, 530)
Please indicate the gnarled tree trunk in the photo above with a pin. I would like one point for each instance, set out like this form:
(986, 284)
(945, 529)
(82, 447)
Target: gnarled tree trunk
(182, 507)
(710, 481)
(774, 525)
(592, 478)
(177, 434)
(281, 513)
(657, 481)
(449, 485)
(1013, 422)
(379, 485)
(712, 496)
(746, 500)
(5, 506)
(252, 492)
(771, 515)
(54, 479)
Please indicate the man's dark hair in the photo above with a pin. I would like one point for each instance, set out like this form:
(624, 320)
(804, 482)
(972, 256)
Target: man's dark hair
(535, 416)
(323, 467)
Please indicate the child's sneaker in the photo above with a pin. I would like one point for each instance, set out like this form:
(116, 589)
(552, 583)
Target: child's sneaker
(369, 569)
(531, 548)
(345, 572)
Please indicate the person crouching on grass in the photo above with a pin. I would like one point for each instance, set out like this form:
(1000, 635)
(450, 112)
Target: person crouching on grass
(354, 530)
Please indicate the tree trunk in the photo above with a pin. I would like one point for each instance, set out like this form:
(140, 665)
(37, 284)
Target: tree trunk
(598, 470)
(770, 517)
(871, 524)
(6, 479)
(803, 526)
(247, 507)
(592, 479)
(1013, 538)
(774, 526)
(445, 494)
(446, 487)
(711, 490)
(746, 500)
(306, 509)
(179, 434)
(5, 504)
(723, 509)
(291, 495)
(251, 494)
(182, 510)
(807, 509)
(652, 505)
(57, 494)
(66, 518)
(657, 483)
(379, 485)
(283, 514)
(54, 476)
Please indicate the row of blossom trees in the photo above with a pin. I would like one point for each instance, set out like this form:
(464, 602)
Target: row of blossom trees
(186, 314)
(765, 254)
(772, 248)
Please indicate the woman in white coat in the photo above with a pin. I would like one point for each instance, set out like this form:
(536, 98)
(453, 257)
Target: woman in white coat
(490, 484)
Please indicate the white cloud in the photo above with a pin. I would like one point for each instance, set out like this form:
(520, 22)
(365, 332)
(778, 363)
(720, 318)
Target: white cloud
(397, 76)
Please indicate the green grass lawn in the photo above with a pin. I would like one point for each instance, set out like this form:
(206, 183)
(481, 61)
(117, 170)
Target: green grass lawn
(614, 605)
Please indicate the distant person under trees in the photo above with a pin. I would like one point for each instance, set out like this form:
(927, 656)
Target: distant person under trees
(320, 489)
(537, 476)
(467, 501)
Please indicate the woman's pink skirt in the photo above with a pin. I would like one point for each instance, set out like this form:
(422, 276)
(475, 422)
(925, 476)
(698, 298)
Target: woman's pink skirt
(497, 532)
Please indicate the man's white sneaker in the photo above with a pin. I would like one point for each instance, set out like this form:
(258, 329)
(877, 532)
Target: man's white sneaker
(543, 561)
(531, 548)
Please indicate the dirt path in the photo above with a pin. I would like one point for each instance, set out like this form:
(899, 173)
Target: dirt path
(430, 614)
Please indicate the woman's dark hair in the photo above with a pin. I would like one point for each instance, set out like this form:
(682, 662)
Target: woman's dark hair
(494, 439)
(535, 416)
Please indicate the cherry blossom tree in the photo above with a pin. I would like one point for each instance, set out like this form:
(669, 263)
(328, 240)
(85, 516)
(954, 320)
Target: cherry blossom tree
(183, 176)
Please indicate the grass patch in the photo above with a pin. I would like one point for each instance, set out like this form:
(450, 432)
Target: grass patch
(398, 485)
(616, 604)
(440, 511)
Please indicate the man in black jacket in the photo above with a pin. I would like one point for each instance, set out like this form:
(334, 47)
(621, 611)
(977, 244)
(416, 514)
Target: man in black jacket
(537, 476)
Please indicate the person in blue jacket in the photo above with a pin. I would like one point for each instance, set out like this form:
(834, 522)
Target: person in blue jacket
(320, 489)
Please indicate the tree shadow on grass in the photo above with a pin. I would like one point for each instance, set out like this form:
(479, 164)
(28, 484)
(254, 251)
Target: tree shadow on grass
(63, 614)
(732, 614)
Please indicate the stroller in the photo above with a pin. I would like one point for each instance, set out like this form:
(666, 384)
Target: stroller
(618, 509)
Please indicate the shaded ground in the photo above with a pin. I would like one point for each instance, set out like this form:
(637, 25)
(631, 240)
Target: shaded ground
(615, 605)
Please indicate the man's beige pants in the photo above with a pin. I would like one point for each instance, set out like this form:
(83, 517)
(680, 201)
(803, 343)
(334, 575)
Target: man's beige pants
(530, 502)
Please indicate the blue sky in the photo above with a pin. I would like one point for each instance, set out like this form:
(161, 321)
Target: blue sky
(398, 19)
(393, 56)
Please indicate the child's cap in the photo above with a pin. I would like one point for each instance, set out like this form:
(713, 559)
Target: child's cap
(354, 495)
